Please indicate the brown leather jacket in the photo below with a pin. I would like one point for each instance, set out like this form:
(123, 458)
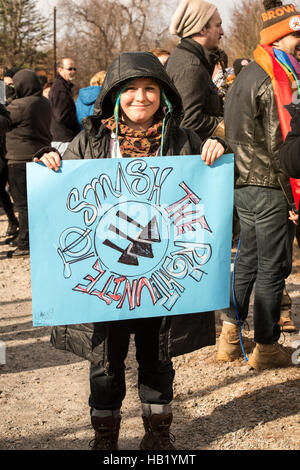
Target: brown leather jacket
(253, 131)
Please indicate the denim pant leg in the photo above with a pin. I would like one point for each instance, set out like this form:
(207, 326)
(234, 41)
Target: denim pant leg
(108, 388)
(267, 210)
(245, 267)
(155, 378)
(275, 234)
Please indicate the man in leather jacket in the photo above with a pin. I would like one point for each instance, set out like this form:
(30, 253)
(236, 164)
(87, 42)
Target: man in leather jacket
(263, 195)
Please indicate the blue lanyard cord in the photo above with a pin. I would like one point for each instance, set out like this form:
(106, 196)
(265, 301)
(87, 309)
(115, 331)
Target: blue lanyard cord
(167, 103)
(235, 304)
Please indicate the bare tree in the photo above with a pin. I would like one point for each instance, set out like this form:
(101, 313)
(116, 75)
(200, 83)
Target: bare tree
(100, 29)
(22, 32)
(244, 29)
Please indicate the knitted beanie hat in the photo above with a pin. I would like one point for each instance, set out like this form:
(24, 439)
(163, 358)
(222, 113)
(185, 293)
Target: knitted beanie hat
(278, 21)
(190, 17)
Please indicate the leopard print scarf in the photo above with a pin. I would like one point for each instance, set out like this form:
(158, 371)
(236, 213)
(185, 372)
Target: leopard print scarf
(135, 143)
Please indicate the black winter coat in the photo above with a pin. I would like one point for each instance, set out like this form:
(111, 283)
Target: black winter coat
(64, 124)
(191, 69)
(290, 151)
(5, 124)
(30, 115)
(179, 334)
(253, 131)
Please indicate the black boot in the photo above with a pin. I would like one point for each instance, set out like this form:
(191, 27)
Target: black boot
(106, 432)
(157, 432)
(13, 228)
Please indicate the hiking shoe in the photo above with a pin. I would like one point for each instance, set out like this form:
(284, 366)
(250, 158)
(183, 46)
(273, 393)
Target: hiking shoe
(18, 253)
(229, 346)
(13, 242)
(13, 228)
(106, 433)
(287, 325)
(157, 432)
(269, 356)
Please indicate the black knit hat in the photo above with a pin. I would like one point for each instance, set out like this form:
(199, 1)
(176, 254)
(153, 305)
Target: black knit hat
(238, 64)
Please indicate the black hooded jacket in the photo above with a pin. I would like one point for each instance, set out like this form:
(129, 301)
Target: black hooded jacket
(30, 115)
(179, 334)
(94, 140)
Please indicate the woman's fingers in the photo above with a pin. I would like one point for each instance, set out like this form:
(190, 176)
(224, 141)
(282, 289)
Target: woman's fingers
(51, 160)
(211, 151)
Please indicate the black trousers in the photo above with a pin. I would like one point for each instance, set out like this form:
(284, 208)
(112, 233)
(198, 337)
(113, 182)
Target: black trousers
(5, 200)
(17, 184)
(155, 378)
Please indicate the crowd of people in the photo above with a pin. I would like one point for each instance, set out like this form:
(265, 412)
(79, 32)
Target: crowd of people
(184, 102)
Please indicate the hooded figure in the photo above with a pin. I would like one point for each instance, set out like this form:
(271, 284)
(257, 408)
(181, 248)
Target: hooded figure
(30, 115)
(114, 131)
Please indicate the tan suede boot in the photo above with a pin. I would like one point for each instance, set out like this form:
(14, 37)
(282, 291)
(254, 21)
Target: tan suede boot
(157, 432)
(286, 323)
(229, 346)
(269, 356)
(106, 433)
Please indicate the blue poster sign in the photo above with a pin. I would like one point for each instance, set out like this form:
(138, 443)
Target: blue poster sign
(114, 239)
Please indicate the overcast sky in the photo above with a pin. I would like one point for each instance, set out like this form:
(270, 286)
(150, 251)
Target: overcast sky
(223, 6)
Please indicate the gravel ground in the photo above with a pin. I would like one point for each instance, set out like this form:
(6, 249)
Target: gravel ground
(44, 392)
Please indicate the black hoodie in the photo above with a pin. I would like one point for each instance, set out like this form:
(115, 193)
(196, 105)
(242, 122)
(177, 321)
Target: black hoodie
(30, 115)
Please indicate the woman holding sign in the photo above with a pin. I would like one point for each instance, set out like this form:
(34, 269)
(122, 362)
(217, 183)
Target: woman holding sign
(137, 114)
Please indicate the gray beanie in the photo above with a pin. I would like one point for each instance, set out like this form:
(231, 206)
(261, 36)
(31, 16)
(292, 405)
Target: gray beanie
(190, 17)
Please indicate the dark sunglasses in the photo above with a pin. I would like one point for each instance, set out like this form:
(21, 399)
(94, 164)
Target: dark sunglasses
(71, 68)
(296, 34)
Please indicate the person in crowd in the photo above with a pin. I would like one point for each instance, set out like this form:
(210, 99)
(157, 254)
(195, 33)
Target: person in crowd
(9, 84)
(255, 123)
(46, 88)
(87, 97)
(222, 75)
(289, 153)
(8, 75)
(240, 64)
(192, 62)
(137, 101)
(30, 116)
(43, 80)
(161, 54)
(64, 124)
(5, 200)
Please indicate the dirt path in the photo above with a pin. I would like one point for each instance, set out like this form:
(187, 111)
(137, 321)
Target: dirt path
(44, 392)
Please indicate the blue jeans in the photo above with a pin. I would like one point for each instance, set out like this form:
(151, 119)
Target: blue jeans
(264, 259)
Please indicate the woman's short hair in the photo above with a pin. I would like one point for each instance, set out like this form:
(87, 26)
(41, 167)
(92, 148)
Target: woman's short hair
(98, 78)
